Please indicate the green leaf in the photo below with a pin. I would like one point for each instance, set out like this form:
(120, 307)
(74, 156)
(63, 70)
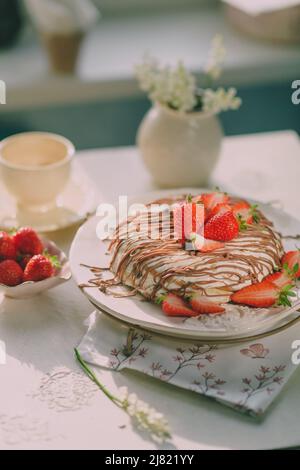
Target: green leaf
(296, 268)
(12, 231)
(160, 299)
(242, 223)
(254, 213)
(189, 198)
(53, 259)
(284, 295)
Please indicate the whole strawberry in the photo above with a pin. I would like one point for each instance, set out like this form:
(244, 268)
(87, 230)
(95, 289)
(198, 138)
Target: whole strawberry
(222, 227)
(11, 273)
(39, 268)
(28, 242)
(7, 247)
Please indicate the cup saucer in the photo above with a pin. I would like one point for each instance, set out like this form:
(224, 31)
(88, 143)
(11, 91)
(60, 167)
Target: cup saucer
(78, 200)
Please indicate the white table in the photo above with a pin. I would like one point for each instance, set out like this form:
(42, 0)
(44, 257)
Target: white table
(46, 402)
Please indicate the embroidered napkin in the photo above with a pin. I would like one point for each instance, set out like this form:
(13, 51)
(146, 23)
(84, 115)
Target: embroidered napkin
(246, 376)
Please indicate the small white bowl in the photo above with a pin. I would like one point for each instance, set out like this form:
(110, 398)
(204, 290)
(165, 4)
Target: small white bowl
(29, 289)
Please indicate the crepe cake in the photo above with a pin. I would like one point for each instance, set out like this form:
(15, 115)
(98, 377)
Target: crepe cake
(241, 248)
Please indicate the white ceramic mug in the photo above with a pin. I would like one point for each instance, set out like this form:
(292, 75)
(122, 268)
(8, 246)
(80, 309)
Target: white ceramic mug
(35, 168)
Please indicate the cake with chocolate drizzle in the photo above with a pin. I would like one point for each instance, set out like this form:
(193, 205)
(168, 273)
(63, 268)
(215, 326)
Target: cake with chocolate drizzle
(212, 249)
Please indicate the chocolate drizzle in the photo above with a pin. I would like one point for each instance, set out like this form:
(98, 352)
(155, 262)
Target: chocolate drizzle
(150, 266)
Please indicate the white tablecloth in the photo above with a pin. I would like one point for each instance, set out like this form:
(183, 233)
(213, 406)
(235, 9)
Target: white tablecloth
(46, 401)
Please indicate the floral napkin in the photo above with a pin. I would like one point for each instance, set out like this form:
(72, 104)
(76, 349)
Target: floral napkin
(247, 376)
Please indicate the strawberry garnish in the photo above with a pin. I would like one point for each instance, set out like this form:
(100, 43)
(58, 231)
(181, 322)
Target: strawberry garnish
(291, 260)
(28, 242)
(264, 294)
(210, 200)
(222, 227)
(280, 279)
(245, 214)
(199, 243)
(7, 247)
(219, 209)
(175, 306)
(203, 305)
(11, 273)
(211, 245)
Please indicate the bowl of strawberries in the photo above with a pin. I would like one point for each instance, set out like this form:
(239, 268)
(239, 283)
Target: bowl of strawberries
(30, 264)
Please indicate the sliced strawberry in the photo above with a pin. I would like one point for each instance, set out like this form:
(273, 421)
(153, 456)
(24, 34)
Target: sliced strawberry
(291, 259)
(222, 227)
(210, 200)
(175, 306)
(219, 209)
(245, 213)
(280, 279)
(263, 294)
(202, 304)
(197, 242)
(210, 245)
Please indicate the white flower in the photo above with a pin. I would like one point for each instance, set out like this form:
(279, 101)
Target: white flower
(173, 87)
(176, 87)
(147, 73)
(145, 417)
(216, 58)
(215, 101)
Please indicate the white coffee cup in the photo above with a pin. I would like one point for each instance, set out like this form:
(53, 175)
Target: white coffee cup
(35, 168)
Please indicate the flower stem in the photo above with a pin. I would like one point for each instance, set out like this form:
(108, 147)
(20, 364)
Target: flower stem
(145, 418)
(93, 377)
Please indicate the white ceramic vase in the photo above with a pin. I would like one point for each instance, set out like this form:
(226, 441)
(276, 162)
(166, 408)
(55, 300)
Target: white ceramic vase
(179, 149)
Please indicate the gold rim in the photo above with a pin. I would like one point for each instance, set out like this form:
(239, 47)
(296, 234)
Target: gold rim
(224, 341)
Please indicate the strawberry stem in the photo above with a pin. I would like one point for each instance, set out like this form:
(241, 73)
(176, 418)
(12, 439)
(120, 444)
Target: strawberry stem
(53, 259)
(254, 213)
(242, 223)
(160, 299)
(284, 295)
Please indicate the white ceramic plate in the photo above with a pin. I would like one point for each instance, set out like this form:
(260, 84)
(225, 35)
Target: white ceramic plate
(88, 249)
(74, 205)
(30, 289)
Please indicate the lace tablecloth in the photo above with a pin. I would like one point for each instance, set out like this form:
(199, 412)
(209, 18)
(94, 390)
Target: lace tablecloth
(46, 401)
